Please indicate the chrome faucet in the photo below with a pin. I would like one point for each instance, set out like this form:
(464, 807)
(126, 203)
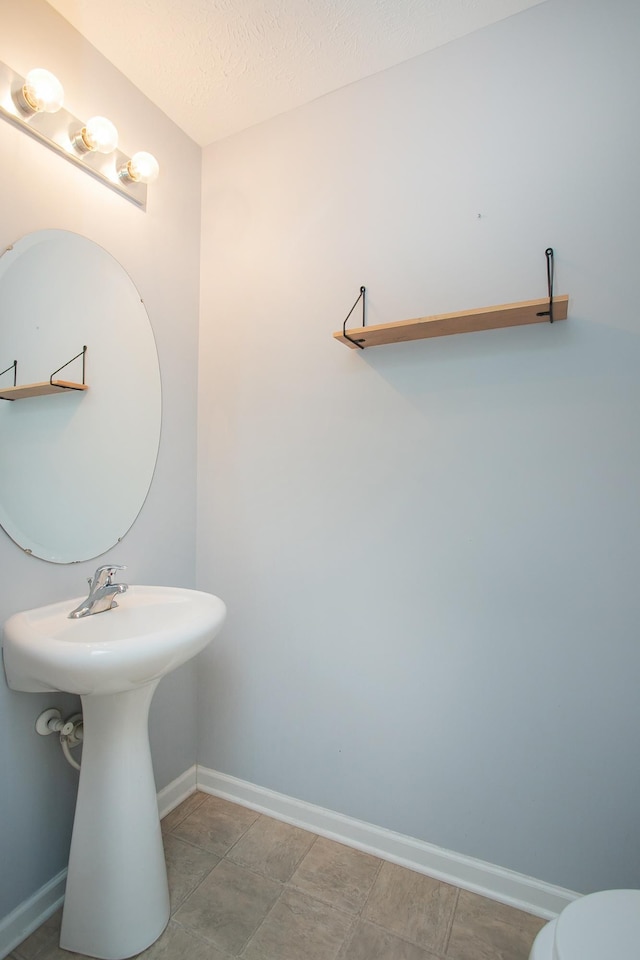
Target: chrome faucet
(102, 592)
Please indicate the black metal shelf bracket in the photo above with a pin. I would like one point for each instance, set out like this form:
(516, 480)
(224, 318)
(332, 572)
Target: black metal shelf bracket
(358, 343)
(549, 313)
(12, 366)
(82, 354)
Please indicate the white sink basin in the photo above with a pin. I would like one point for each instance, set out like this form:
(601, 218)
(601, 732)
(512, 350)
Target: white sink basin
(151, 632)
(117, 898)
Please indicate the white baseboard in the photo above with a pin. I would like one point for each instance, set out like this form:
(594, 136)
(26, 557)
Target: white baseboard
(497, 883)
(30, 914)
(176, 791)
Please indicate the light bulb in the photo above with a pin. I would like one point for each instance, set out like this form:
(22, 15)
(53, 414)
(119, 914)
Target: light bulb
(98, 135)
(42, 92)
(142, 168)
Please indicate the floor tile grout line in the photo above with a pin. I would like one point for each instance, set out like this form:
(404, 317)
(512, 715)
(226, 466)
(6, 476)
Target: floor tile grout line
(375, 880)
(178, 906)
(264, 919)
(326, 903)
(346, 943)
(411, 943)
(242, 835)
(200, 846)
(198, 936)
(358, 917)
(263, 816)
(196, 846)
(447, 939)
(224, 860)
(434, 951)
(302, 855)
(182, 819)
(289, 887)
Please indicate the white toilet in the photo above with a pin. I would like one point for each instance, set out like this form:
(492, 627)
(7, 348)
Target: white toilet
(600, 926)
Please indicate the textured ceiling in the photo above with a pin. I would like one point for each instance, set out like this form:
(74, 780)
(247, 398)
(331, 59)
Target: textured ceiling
(218, 66)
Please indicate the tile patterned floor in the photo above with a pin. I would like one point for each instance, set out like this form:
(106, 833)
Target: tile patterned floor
(246, 886)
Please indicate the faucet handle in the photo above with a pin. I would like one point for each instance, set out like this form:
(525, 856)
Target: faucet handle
(103, 574)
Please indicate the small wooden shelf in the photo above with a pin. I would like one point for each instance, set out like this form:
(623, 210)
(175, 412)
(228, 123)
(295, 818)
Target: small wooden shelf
(40, 389)
(465, 321)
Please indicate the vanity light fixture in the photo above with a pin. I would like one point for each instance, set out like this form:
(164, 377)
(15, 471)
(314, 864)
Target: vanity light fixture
(35, 104)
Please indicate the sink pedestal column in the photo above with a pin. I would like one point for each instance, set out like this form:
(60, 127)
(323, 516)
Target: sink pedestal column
(117, 899)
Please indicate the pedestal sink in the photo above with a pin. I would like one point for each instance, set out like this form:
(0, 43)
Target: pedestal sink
(117, 900)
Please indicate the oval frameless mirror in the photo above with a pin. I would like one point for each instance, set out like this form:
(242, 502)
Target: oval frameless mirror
(76, 464)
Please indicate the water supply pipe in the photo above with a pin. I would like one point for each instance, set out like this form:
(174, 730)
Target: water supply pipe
(70, 731)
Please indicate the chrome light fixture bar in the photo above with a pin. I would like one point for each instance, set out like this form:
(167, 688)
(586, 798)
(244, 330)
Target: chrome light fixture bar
(91, 145)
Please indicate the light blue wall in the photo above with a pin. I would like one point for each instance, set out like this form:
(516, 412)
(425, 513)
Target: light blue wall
(159, 249)
(429, 551)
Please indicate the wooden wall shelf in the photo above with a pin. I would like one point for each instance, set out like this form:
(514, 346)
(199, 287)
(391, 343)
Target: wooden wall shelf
(465, 321)
(40, 389)
(45, 386)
